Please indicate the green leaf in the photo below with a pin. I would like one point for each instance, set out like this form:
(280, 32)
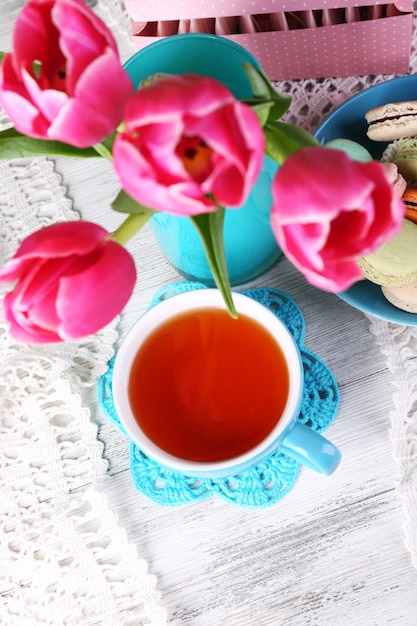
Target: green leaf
(262, 110)
(284, 139)
(264, 91)
(2, 54)
(124, 203)
(14, 145)
(210, 228)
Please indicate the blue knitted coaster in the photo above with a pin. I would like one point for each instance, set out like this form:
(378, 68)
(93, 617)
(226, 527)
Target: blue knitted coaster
(271, 479)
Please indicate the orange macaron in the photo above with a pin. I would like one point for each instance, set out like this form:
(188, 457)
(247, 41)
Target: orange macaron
(410, 200)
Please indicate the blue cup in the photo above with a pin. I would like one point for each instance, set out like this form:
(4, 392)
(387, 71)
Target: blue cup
(288, 434)
(250, 245)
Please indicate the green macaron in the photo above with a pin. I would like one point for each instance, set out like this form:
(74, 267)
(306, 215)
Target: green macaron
(353, 149)
(395, 262)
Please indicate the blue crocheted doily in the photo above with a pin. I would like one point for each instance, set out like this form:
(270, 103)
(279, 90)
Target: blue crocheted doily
(270, 480)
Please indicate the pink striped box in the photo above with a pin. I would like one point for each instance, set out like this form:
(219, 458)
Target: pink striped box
(291, 38)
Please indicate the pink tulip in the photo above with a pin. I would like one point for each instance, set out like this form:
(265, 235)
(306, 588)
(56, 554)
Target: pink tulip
(329, 210)
(187, 144)
(63, 80)
(72, 280)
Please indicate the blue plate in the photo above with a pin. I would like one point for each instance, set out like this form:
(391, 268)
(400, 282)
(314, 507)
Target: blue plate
(348, 122)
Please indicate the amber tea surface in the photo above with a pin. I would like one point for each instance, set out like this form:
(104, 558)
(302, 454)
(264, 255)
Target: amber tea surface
(205, 387)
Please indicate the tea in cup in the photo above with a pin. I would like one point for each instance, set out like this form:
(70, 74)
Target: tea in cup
(208, 395)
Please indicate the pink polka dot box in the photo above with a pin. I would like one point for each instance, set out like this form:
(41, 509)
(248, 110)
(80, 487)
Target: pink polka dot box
(291, 38)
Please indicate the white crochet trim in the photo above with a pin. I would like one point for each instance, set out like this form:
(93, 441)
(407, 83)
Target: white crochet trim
(63, 558)
(399, 345)
(113, 12)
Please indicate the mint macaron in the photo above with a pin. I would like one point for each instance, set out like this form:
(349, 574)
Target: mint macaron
(395, 262)
(355, 150)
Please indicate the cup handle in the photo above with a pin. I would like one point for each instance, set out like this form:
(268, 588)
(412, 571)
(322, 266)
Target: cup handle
(308, 447)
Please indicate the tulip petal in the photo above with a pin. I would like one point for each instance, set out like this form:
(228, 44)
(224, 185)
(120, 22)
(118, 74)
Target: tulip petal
(154, 157)
(72, 279)
(62, 239)
(90, 299)
(21, 327)
(97, 106)
(63, 80)
(329, 210)
(138, 180)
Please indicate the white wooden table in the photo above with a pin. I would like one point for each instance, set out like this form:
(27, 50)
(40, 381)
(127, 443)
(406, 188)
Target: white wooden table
(330, 553)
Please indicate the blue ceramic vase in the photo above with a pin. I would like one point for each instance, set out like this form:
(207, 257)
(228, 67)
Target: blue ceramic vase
(250, 245)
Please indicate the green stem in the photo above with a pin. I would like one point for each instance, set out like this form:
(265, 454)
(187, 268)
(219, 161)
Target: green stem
(103, 151)
(132, 224)
(210, 229)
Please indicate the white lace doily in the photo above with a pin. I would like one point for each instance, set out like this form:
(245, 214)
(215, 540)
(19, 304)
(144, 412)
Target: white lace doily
(63, 557)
